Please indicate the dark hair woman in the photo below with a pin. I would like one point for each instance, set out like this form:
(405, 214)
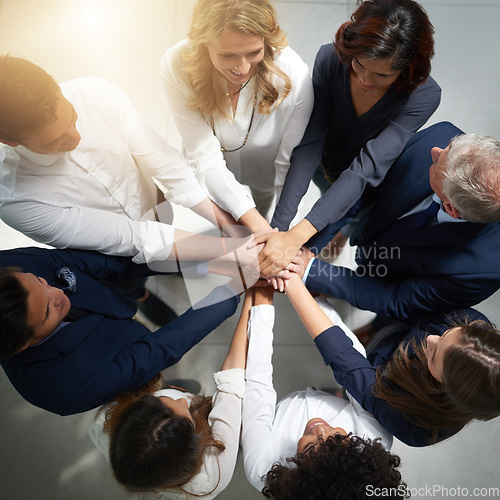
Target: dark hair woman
(173, 442)
(372, 92)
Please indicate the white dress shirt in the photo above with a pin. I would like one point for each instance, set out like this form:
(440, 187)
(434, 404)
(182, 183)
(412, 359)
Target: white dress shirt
(271, 432)
(95, 196)
(263, 162)
(225, 420)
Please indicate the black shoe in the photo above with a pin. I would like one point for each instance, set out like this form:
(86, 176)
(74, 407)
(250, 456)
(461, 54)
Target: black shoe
(156, 310)
(183, 384)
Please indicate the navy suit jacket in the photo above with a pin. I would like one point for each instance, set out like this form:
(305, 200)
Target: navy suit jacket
(357, 374)
(438, 268)
(91, 360)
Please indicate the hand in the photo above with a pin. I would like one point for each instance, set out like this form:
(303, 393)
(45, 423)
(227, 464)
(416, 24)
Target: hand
(279, 250)
(300, 262)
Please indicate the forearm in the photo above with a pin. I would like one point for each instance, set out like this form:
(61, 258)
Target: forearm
(311, 315)
(254, 221)
(214, 214)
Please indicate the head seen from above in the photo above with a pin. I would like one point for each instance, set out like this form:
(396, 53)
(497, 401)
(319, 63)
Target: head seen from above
(235, 40)
(30, 310)
(33, 111)
(447, 380)
(158, 442)
(466, 177)
(333, 465)
(388, 43)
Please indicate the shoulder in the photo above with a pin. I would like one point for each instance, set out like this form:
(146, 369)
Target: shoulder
(327, 56)
(173, 56)
(93, 91)
(289, 61)
(428, 92)
(87, 85)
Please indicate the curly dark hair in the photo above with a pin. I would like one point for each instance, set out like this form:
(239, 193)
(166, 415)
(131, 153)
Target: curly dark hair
(340, 468)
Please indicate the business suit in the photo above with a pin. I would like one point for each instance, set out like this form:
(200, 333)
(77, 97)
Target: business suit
(92, 359)
(357, 374)
(437, 268)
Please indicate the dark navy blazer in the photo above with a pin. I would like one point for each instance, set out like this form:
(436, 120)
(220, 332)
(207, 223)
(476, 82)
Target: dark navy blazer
(92, 359)
(443, 267)
(357, 374)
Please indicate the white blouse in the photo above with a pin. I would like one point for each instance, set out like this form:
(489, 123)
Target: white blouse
(263, 162)
(270, 432)
(225, 420)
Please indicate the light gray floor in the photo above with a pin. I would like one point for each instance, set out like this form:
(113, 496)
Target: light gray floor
(49, 457)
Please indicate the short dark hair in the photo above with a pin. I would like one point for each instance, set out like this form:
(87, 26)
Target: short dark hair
(340, 468)
(380, 29)
(14, 330)
(28, 98)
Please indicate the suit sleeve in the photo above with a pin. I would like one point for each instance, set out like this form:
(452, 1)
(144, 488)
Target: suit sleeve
(376, 158)
(399, 299)
(297, 123)
(356, 374)
(149, 353)
(307, 155)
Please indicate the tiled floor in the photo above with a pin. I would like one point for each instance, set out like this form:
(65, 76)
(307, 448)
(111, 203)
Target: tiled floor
(46, 457)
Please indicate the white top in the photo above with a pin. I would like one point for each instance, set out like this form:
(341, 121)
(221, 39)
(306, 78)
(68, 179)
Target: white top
(264, 160)
(225, 420)
(94, 197)
(270, 433)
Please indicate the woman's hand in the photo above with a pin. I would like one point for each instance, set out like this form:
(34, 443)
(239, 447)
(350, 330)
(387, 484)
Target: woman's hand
(279, 250)
(282, 247)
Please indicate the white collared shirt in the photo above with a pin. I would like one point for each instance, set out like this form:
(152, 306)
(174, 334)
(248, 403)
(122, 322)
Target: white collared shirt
(95, 196)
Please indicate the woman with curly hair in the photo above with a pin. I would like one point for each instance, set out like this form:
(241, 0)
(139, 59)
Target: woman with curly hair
(338, 468)
(174, 443)
(423, 382)
(372, 92)
(304, 446)
(241, 99)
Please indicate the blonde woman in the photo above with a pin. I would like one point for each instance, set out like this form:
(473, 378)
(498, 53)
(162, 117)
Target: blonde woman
(241, 99)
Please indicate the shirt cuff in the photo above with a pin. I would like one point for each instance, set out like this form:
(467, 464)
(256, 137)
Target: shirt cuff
(158, 240)
(186, 193)
(308, 268)
(231, 381)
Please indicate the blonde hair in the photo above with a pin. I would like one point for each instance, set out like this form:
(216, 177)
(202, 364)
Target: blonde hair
(252, 17)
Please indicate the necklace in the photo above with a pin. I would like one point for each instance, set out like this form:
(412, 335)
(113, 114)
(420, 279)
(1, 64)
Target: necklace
(227, 94)
(212, 124)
